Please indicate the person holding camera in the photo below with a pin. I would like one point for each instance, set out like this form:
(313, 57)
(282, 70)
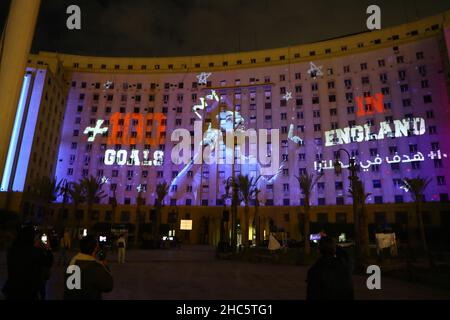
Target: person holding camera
(330, 278)
(28, 264)
(96, 277)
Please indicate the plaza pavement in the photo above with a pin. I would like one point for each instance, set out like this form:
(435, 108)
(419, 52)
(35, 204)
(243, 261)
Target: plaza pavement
(192, 272)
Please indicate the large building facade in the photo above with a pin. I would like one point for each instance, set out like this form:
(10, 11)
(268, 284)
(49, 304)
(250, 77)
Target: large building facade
(383, 96)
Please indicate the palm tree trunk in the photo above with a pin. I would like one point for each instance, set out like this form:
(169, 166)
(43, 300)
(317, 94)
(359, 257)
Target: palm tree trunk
(257, 225)
(306, 227)
(422, 234)
(136, 227)
(364, 235)
(412, 235)
(158, 221)
(245, 227)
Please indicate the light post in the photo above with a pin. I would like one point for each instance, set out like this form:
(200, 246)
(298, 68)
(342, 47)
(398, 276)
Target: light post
(354, 180)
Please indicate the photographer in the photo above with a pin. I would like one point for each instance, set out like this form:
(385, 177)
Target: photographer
(330, 277)
(95, 275)
(28, 266)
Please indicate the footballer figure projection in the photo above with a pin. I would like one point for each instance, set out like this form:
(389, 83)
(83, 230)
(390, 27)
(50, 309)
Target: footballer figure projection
(212, 154)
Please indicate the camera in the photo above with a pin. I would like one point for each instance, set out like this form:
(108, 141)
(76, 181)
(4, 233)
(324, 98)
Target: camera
(44, 239)
(101, 255)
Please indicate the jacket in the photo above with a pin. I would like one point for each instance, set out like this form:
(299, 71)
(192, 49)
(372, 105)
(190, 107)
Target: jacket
(330, 278)
(95, 279)
(28, 269)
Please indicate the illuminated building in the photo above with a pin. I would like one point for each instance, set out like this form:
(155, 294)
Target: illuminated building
(34, 142)
(382, 95)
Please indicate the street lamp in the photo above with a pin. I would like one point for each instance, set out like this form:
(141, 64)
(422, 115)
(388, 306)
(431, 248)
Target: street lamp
(354, 180)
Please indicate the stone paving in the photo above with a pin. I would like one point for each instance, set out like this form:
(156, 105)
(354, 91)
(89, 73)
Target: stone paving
(192, 273)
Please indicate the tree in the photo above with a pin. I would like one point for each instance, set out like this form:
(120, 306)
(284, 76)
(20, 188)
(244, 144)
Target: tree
(358, 194)
(257, 222)
(65, 194)
(231, 183)
(93, 192)
(76, 193)
(139, 203)
(247, 190)
(162, 189)
(417, 186)
(47, 190)
(307, 183)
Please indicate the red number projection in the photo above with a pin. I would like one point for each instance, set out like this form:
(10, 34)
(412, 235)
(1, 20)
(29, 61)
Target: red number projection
(373, 104)
(140, 133)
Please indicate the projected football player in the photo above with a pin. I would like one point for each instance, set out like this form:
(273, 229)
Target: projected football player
(213, 140)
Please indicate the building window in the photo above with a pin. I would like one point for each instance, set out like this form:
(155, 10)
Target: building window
(427, 99)
(340, 200)
(378, 199)
(401, 218)
(441, 180)
(322, 218)
(398, 199)
(321, 201)
(341, 217)
(380, 218)
(376, 184)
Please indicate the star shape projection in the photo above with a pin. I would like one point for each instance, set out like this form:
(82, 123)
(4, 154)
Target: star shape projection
(314, 70)
(104, 180)
(287, 96)
(108, 84)
(140, 188)
(203, 77)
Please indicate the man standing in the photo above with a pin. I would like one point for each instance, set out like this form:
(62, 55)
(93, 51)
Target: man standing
(26, 265)
(121, 245)
(64, 247)
(330, 278)
(95, 275)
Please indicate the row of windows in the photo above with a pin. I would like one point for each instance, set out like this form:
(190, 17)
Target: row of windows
(376, 183)
(365, 80)
(340, 217)
(443, 197)
(343, 48)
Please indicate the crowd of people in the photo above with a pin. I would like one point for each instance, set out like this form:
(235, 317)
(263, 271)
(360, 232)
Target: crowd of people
(30, 260)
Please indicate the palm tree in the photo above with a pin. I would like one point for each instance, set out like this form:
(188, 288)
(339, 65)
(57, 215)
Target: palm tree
(247, 189)
(257, 222)
(232, 192)
(64, 192)
(358, 194)
(162, 189)
(76, 193)
(307, 183)
(47, 190)
(417, 186)
(139, 203)
(93, 192)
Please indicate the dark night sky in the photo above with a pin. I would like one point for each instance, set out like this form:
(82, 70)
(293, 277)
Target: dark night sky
(195, 27)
